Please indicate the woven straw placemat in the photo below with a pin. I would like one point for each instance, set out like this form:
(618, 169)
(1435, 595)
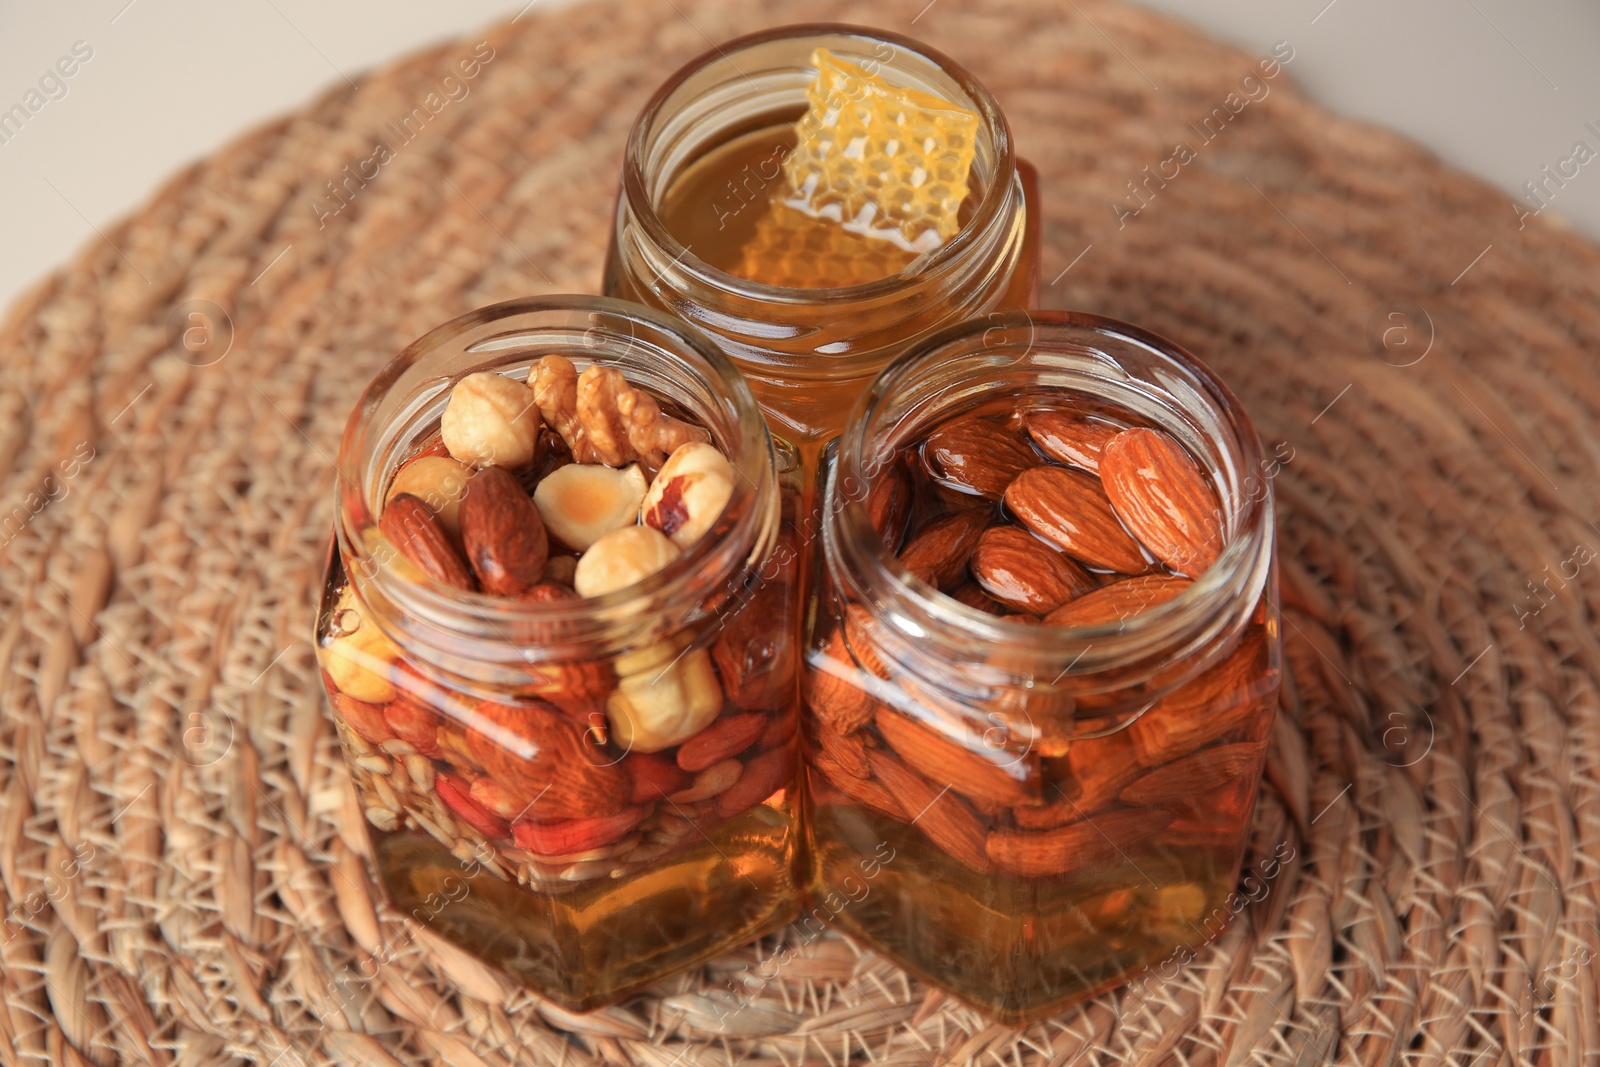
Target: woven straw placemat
(179, 855)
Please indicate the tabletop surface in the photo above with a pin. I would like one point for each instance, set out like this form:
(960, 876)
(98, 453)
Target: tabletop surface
(1491, 86)
(181, 869)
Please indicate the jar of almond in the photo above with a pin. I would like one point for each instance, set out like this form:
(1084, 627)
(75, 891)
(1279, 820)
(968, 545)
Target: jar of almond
(554, 636)
(1043, 663)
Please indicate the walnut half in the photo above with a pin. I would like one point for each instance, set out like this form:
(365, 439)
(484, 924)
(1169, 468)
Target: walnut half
(604, 419)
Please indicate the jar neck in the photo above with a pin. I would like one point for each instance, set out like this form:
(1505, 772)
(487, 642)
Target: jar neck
(493, 639)
(790, 341)
(952, 645)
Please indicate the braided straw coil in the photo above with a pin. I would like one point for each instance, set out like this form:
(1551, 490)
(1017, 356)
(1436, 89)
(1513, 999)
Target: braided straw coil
(180, 861)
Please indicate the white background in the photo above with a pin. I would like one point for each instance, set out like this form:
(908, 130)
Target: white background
(1500, 87)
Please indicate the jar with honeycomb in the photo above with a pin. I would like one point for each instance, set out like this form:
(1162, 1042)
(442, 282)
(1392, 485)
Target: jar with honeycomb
(561, 534)
(1044, 660)
(815, 198)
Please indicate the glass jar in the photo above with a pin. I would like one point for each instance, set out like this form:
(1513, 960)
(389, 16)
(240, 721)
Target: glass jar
(1025, 814)
(808, 353)
(503, 813)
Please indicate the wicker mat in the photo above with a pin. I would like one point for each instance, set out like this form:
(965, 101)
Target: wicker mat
(180, 859)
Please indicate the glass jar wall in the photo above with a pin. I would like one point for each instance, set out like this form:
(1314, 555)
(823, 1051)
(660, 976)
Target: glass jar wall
(700, 165)
(1048, 758)
(590, 792)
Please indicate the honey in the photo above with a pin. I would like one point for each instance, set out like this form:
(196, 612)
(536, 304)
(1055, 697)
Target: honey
(702, 214)
(731, 210)
(853, 191)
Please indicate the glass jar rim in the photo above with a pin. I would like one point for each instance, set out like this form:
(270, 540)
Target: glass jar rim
(744, 439)
(996, 194)
(848, 530)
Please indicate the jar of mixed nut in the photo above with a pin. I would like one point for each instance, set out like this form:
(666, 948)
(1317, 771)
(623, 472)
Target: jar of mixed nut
(1044, 660)
(548, 637)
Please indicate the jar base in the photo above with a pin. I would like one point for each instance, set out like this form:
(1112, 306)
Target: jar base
(1016, 949)
(588, 944)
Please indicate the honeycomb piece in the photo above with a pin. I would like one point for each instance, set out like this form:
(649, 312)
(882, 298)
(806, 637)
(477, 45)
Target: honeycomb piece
(799, 251)
(879, 157)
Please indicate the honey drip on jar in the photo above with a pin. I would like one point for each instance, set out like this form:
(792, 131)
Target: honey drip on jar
(870, 178)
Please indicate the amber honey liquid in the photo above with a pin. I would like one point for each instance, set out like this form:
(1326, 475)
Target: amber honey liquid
(728, 208)
(807, 360)
(603, 938)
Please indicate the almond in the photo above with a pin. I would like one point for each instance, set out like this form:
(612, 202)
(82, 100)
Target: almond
(1161, 495)
(414, 722)
(780, 728)
(996, 774)
(413, 528)
(755, 652)
(934, 809)
(1195, 776)
(457, 796)
(1088, 778)
(438, 481)
(546, 760)
(654, 777)
(548, 592)
(724, 738)
(1097, 768)
(939, 553)
(889, 504)
(1057, 813)
(864, 791)
(861, 639)
(976, 456)
(847, 750)
(1097, 841)
(1236, 694)
(486, 793)
(366, 720)
(1070, 510)
(763, 776)
(1071, 438)
(972, 595)
(502, 533)
(830, 694)
(576, 835)
(1118, 601)
(1025, 574)
(577, 687)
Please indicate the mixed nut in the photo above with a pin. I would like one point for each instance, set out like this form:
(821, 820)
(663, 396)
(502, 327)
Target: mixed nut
(565, 486)
(1050, 511)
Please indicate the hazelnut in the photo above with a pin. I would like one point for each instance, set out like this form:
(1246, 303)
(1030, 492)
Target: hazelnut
(621, 558)
(582, 502)
(491, 420)
(360, 658)
(439, 482)
(651, 658)
(689, 493)
(663, 706)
